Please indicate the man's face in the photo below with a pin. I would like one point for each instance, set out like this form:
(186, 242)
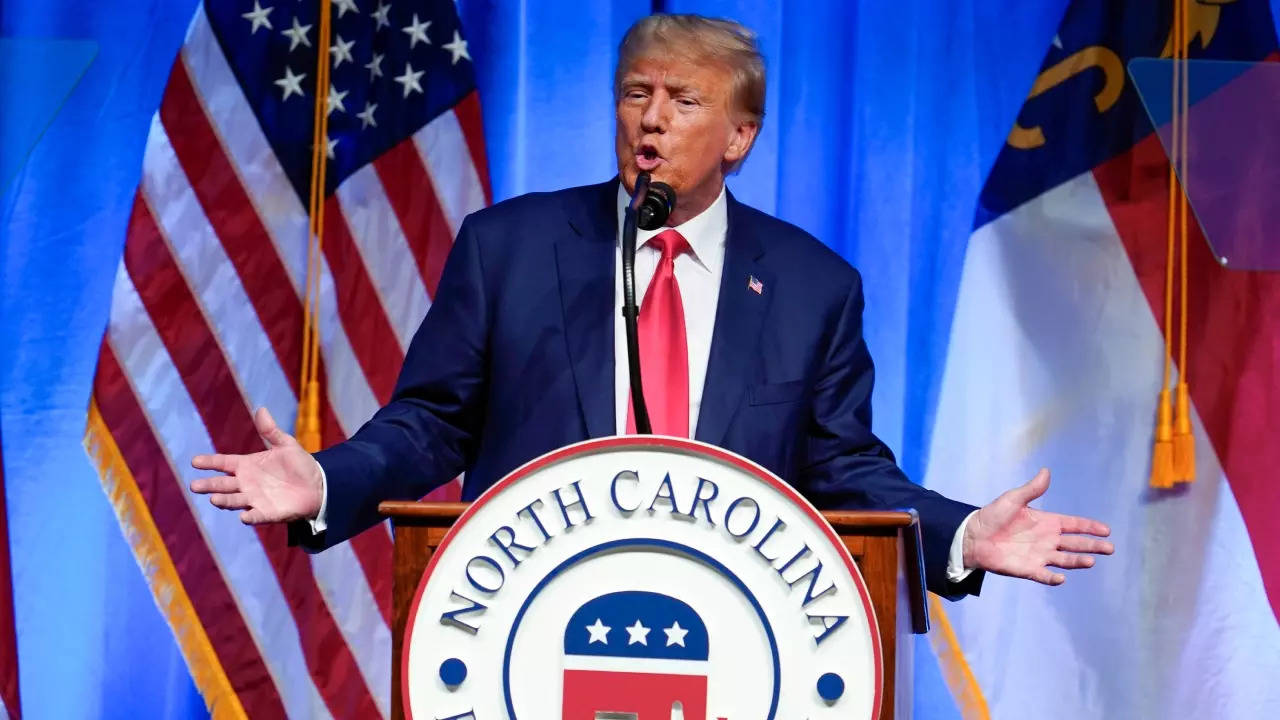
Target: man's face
(675, 120)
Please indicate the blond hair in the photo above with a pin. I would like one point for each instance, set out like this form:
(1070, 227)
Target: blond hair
(700, 39)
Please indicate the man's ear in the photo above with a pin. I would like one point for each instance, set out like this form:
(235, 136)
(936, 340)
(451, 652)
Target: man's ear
(742, 137)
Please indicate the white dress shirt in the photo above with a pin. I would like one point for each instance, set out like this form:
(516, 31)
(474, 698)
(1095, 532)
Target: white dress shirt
(698, 274)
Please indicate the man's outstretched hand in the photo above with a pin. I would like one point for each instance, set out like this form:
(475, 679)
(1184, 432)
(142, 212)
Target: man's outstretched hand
(279, 484)
(1010, 538)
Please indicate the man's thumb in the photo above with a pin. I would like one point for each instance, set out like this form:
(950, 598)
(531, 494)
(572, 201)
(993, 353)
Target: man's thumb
(1034, 488)
(269, 431)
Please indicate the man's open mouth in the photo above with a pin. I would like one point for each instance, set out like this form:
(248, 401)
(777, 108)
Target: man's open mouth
(647, 157)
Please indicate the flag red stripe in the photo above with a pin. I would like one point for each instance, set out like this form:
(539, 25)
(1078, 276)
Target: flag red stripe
(233, 218)
(372, 339)
(8, 632)
(413, 198)
(471, 119)
(163, 491)
(196, 354)
(250, 250)
(1234, 343)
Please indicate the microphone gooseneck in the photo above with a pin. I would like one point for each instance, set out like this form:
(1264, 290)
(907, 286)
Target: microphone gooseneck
(650, 206)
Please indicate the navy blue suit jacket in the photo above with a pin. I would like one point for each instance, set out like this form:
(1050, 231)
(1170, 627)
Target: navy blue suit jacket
(516, 358)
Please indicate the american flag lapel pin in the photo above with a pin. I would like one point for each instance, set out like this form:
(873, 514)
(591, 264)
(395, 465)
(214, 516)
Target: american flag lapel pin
(754, 285)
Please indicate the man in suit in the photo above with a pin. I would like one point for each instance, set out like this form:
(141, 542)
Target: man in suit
(750, 334)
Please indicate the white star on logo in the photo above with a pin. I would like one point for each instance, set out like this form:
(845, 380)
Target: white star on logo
(335, 99)
(290, 83)
(258, 16)
(332, 143)
(345, 5)
(380, 16)
(458, 47)
(417, 31)
(366, 117)
(675, 634)
(410, 79)
(297, 35)
(599, 632)
(638, 634)
(341, 50)
(375, 66)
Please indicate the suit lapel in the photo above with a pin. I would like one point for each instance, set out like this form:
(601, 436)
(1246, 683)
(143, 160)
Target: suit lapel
(584, 260)
(735, 340)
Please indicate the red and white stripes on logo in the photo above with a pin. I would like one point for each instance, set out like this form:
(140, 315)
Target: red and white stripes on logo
(205, 326)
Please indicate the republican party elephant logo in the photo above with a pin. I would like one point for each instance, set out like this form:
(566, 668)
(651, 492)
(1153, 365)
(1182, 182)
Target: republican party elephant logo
(635, 655)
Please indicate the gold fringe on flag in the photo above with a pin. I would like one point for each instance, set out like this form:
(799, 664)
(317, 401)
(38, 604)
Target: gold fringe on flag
(955, 669)
(307, 425)
(158, 568)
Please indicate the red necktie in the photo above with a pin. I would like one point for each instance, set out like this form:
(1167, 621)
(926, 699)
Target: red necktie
(664, 352)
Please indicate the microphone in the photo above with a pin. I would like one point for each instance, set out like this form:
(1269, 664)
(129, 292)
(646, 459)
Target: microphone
(650, 206)
(656, 205)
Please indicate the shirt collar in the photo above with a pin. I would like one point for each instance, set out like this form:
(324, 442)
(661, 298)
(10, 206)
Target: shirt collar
(705, 231)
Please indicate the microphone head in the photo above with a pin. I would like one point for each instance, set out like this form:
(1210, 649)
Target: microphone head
(659, 201)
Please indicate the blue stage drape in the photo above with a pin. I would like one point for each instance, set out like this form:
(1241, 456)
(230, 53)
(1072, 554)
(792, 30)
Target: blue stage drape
(882, 119)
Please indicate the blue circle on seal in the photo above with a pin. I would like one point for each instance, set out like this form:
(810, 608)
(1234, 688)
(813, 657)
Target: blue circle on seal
(624, 544)
(831, 687)
(452, 672)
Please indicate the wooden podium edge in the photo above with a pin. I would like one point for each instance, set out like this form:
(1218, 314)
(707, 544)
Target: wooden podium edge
(880, 541)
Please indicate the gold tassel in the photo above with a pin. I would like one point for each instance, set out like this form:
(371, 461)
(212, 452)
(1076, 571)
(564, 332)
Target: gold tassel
(1162, 455)
(1184, 443)
(308, 425)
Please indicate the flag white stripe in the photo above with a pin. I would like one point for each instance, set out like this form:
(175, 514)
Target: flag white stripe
(377, 235)
(218, 290)
(445, 154)
(241, 559)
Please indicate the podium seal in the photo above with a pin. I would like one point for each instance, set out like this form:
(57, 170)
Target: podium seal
(641, 578)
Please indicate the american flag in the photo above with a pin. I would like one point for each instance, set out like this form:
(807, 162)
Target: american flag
(207, 316)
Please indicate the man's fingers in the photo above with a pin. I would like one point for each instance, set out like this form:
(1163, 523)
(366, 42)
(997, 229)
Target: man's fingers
(1076, 543)
(230, 501)
(267, 428)
(1073, 524)
(1034, 488)
(253, 516)
(221, 463)
(1070, 561)
(219, 484)
(1048, 577)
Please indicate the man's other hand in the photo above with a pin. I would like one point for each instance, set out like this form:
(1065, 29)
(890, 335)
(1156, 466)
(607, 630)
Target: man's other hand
(279, 484)
(1010, 538)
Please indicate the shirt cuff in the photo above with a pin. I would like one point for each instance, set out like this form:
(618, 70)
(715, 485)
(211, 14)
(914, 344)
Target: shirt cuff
(318, 525)
(956, 571)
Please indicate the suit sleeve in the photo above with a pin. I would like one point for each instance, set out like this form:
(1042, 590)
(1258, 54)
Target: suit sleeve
(847, 466)
(427, 434)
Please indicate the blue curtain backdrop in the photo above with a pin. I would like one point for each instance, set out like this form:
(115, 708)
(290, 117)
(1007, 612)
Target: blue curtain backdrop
(882, 119)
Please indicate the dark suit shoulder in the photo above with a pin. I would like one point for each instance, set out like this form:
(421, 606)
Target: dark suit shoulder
(536, 209)
(791, 250)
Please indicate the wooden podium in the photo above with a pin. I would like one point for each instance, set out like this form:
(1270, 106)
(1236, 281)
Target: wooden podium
(884, 544)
